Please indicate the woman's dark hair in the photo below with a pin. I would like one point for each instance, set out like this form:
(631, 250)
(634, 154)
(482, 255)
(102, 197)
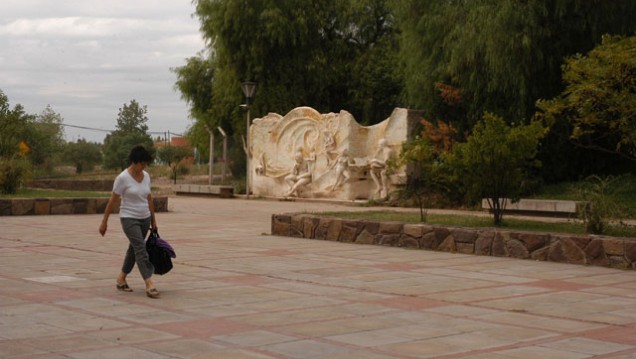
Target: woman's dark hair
(139, 154)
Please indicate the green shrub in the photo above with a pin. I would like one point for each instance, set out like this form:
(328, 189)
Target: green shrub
(13, 173)
(598, 207)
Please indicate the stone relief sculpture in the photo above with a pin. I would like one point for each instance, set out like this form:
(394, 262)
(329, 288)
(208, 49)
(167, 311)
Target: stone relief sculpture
(300, 175)
(341, 169)
(378, 168)
(311, 155)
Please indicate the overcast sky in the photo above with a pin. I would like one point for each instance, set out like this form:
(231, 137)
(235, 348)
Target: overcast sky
(87, 58)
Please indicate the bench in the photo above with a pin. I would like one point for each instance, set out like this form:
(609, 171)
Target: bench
(542, 207)
(207, 190)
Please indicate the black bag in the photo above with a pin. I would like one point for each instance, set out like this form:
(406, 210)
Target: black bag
(159, 255)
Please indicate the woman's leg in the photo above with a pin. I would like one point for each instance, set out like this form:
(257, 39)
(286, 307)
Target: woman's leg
(136, 230)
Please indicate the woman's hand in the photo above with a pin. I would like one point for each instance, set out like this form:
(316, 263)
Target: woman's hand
(102, 228)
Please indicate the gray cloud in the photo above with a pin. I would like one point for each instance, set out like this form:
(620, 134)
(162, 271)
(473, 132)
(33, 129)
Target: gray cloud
(89, 58)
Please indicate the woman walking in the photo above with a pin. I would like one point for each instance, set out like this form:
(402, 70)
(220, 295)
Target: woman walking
(137, 215)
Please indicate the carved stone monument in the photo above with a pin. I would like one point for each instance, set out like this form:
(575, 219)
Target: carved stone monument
(312, 155)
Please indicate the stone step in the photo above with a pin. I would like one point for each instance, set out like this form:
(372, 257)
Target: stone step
(196, 189)
(537, 206)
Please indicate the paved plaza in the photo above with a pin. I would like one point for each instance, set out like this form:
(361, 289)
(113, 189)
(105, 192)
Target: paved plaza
(238, 292)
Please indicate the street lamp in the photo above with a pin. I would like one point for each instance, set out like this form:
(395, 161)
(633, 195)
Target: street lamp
(248, 89)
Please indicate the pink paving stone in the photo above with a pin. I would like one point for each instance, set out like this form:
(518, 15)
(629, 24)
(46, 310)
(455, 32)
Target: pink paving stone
(276, 252)
(621, 335)
(398, 266)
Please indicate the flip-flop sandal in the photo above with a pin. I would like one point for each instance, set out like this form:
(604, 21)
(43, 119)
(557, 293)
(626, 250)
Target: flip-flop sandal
(152, 293)
(124, 287)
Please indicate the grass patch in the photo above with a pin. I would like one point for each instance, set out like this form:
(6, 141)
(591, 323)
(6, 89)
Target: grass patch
(51, 193)
(622, 191)
(479, 222)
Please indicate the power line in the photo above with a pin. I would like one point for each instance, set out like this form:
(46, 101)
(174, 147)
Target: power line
(110, 131)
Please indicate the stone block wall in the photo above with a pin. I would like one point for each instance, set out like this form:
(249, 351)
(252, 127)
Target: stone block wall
(565, 248)
(44, 206)
(73, 185)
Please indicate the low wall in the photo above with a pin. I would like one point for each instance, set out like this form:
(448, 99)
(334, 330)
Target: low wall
(73, 185)
(44, 206)
(565, 248)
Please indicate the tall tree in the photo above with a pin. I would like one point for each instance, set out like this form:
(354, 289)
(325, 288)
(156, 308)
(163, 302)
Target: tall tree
(132, 117)
(330, 55)
(132, 130)
(502, 55)
(47, 137)
(599, 101)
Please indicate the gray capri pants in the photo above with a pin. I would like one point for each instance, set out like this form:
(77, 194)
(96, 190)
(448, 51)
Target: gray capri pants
(136, 231)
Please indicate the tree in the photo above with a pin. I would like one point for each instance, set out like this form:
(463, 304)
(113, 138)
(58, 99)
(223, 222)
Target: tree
(330, 55)
(15, 128)
(173, 155)
(47, 137)
(132, 118)
(495, 160)
(599, 100)
(502, 55)
(131, 131)
(422, 158)
(82, 154)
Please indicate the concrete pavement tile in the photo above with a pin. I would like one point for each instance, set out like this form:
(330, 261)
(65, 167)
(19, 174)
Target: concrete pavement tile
(460, 310)
(586, 346)
(233, 354)
(533, 352)
(304, 349)
(9, 300)
(290, 304)
(29, 330)
(180, 348)
(255, 338)
(492, 338)
(16, 348)
(409, 303)
(79, 322)
(485, 294)
(627, 355)
(291, 317)
(533, 321)
(65, 343)
(608, 277)
(219, 311)
(160, 317)
(420, 331)
(368, 338)
(430, 348)
(613, 291)
(131, 335)
(118, 352)
(204, 328)
(351, 354)
(318, 329)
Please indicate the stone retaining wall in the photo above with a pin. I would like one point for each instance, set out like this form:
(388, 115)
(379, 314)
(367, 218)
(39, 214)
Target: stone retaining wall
(576, 249)
(73, 185)
(42, 206)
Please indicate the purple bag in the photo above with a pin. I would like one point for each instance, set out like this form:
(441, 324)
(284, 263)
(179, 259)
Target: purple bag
(160, 253)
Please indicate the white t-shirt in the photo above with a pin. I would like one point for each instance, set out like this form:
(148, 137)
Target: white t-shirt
(134, 195)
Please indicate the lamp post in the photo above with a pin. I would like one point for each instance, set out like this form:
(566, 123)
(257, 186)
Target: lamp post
(248, 89)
